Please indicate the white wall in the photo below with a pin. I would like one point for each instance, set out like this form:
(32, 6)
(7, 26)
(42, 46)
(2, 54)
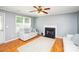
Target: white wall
(66, 23)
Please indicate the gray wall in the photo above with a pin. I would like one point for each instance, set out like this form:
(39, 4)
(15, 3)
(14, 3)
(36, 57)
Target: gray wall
(10, 26)
(33, 22)
(10, 32)
(66, 23)
(78, 23)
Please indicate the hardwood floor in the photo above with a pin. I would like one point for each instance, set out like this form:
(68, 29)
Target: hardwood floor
(13, 45)
(58, 46)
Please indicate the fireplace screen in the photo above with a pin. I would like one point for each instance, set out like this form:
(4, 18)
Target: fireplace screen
(50, 32)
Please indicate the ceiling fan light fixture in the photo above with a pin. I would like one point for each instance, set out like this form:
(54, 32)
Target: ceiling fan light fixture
(41, 13)
(40, 10)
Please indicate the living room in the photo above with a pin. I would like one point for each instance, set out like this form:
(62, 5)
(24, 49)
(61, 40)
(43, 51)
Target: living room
(63, 19)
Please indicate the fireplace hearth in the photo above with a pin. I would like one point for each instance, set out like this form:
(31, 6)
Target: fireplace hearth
(50, 32)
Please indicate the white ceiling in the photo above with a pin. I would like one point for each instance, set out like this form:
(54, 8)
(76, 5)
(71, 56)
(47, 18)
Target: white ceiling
(55, 10)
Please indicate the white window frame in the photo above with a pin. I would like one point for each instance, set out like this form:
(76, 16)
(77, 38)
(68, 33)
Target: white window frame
(23, 21)
(1, 25)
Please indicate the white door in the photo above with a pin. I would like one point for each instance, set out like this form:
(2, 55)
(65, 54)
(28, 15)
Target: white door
(2, 32)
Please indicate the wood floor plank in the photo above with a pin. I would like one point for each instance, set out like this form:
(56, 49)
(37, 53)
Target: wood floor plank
(58, 45)
(13, 45)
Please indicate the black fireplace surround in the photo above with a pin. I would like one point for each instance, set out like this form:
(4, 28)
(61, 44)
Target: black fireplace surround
(49, 32)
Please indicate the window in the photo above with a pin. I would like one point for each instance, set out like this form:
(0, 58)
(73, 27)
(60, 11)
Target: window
(22, 23)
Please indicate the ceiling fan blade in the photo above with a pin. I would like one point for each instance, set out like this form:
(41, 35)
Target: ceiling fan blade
(46, 8)
(34, 11)
(35, 7)
(45, 12)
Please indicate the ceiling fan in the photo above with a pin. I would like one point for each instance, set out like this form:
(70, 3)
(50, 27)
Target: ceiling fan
(40, 9)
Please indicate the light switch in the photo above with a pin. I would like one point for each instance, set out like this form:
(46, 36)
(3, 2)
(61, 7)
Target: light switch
(6, 26)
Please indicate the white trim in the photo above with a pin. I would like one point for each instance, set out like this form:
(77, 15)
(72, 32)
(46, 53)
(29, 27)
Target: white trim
(3, 29)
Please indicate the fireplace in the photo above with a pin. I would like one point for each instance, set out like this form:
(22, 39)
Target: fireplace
(49, 32)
